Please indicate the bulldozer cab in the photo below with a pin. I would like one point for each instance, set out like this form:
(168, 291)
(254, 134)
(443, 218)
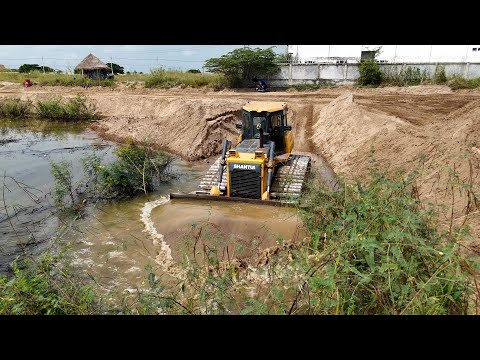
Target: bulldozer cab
(271, 117)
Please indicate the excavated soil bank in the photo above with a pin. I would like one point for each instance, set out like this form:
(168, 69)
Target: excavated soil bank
(349, 126)
(399, 136)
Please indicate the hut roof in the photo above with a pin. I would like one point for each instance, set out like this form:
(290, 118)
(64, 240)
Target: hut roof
(91, 62)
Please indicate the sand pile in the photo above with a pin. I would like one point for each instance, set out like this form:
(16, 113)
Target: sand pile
(343, 127)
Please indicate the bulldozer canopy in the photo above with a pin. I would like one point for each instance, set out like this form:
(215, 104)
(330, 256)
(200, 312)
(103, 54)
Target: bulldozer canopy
(260, 106)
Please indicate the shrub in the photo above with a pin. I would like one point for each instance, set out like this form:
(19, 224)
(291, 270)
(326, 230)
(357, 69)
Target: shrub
(40, 288)
(136, 169)
(370, 73)
(380, 252)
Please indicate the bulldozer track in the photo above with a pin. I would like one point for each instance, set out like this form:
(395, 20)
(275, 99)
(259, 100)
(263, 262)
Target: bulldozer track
(287, 183)
(290, 177)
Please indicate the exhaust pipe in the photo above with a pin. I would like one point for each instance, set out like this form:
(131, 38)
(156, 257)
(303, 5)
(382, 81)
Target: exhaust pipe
(215, 190)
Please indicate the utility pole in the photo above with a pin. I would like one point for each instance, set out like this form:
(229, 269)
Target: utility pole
(111, 64)
(430, 56)
(43, 67)
(395, 56)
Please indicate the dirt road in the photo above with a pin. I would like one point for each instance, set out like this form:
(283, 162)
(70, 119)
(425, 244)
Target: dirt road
(430, 127)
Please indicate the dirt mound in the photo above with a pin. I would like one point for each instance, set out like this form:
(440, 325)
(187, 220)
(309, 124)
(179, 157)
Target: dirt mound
(418, 89)
(446, 152)
(343, 126)
(193, 129)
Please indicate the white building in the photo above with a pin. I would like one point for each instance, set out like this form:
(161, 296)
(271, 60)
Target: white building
(388, 53)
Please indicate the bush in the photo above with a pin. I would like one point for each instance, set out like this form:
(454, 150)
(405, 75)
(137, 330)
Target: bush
(370, 73)
(136, 169)
(15, 108)
(440, 75)
(40, 288)
(381, 252)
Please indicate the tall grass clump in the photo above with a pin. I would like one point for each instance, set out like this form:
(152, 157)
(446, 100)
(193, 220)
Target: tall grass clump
(440, 76)
(56, 108)
(13, 108)
(64, 190)
(405, 76)
(162, 78)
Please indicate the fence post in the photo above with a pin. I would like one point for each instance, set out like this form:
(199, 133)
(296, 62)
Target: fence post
(467, 66)
(290, 74)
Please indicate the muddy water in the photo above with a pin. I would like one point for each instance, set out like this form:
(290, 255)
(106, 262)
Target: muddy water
(125, 241)
(119, 244)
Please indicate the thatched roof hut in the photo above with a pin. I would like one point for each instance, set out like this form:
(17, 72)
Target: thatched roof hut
(93, 67)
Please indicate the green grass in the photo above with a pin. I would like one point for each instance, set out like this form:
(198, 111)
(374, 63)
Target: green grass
(160, 78)
(53, 79)
(54, 108)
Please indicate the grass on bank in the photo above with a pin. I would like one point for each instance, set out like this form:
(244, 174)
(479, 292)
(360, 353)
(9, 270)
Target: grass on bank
(161, 78)
(158, 78)
(373, 249)
(54, 108)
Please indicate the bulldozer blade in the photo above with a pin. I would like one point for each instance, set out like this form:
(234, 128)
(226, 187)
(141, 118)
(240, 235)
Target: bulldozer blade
(230, 199)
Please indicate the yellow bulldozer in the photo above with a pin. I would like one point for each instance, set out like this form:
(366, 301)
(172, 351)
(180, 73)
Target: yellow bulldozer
(261, 168)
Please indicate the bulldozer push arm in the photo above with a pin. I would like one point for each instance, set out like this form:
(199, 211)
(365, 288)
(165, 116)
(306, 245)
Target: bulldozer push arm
(215, 190)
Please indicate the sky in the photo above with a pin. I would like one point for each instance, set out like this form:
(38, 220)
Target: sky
(140, 58)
